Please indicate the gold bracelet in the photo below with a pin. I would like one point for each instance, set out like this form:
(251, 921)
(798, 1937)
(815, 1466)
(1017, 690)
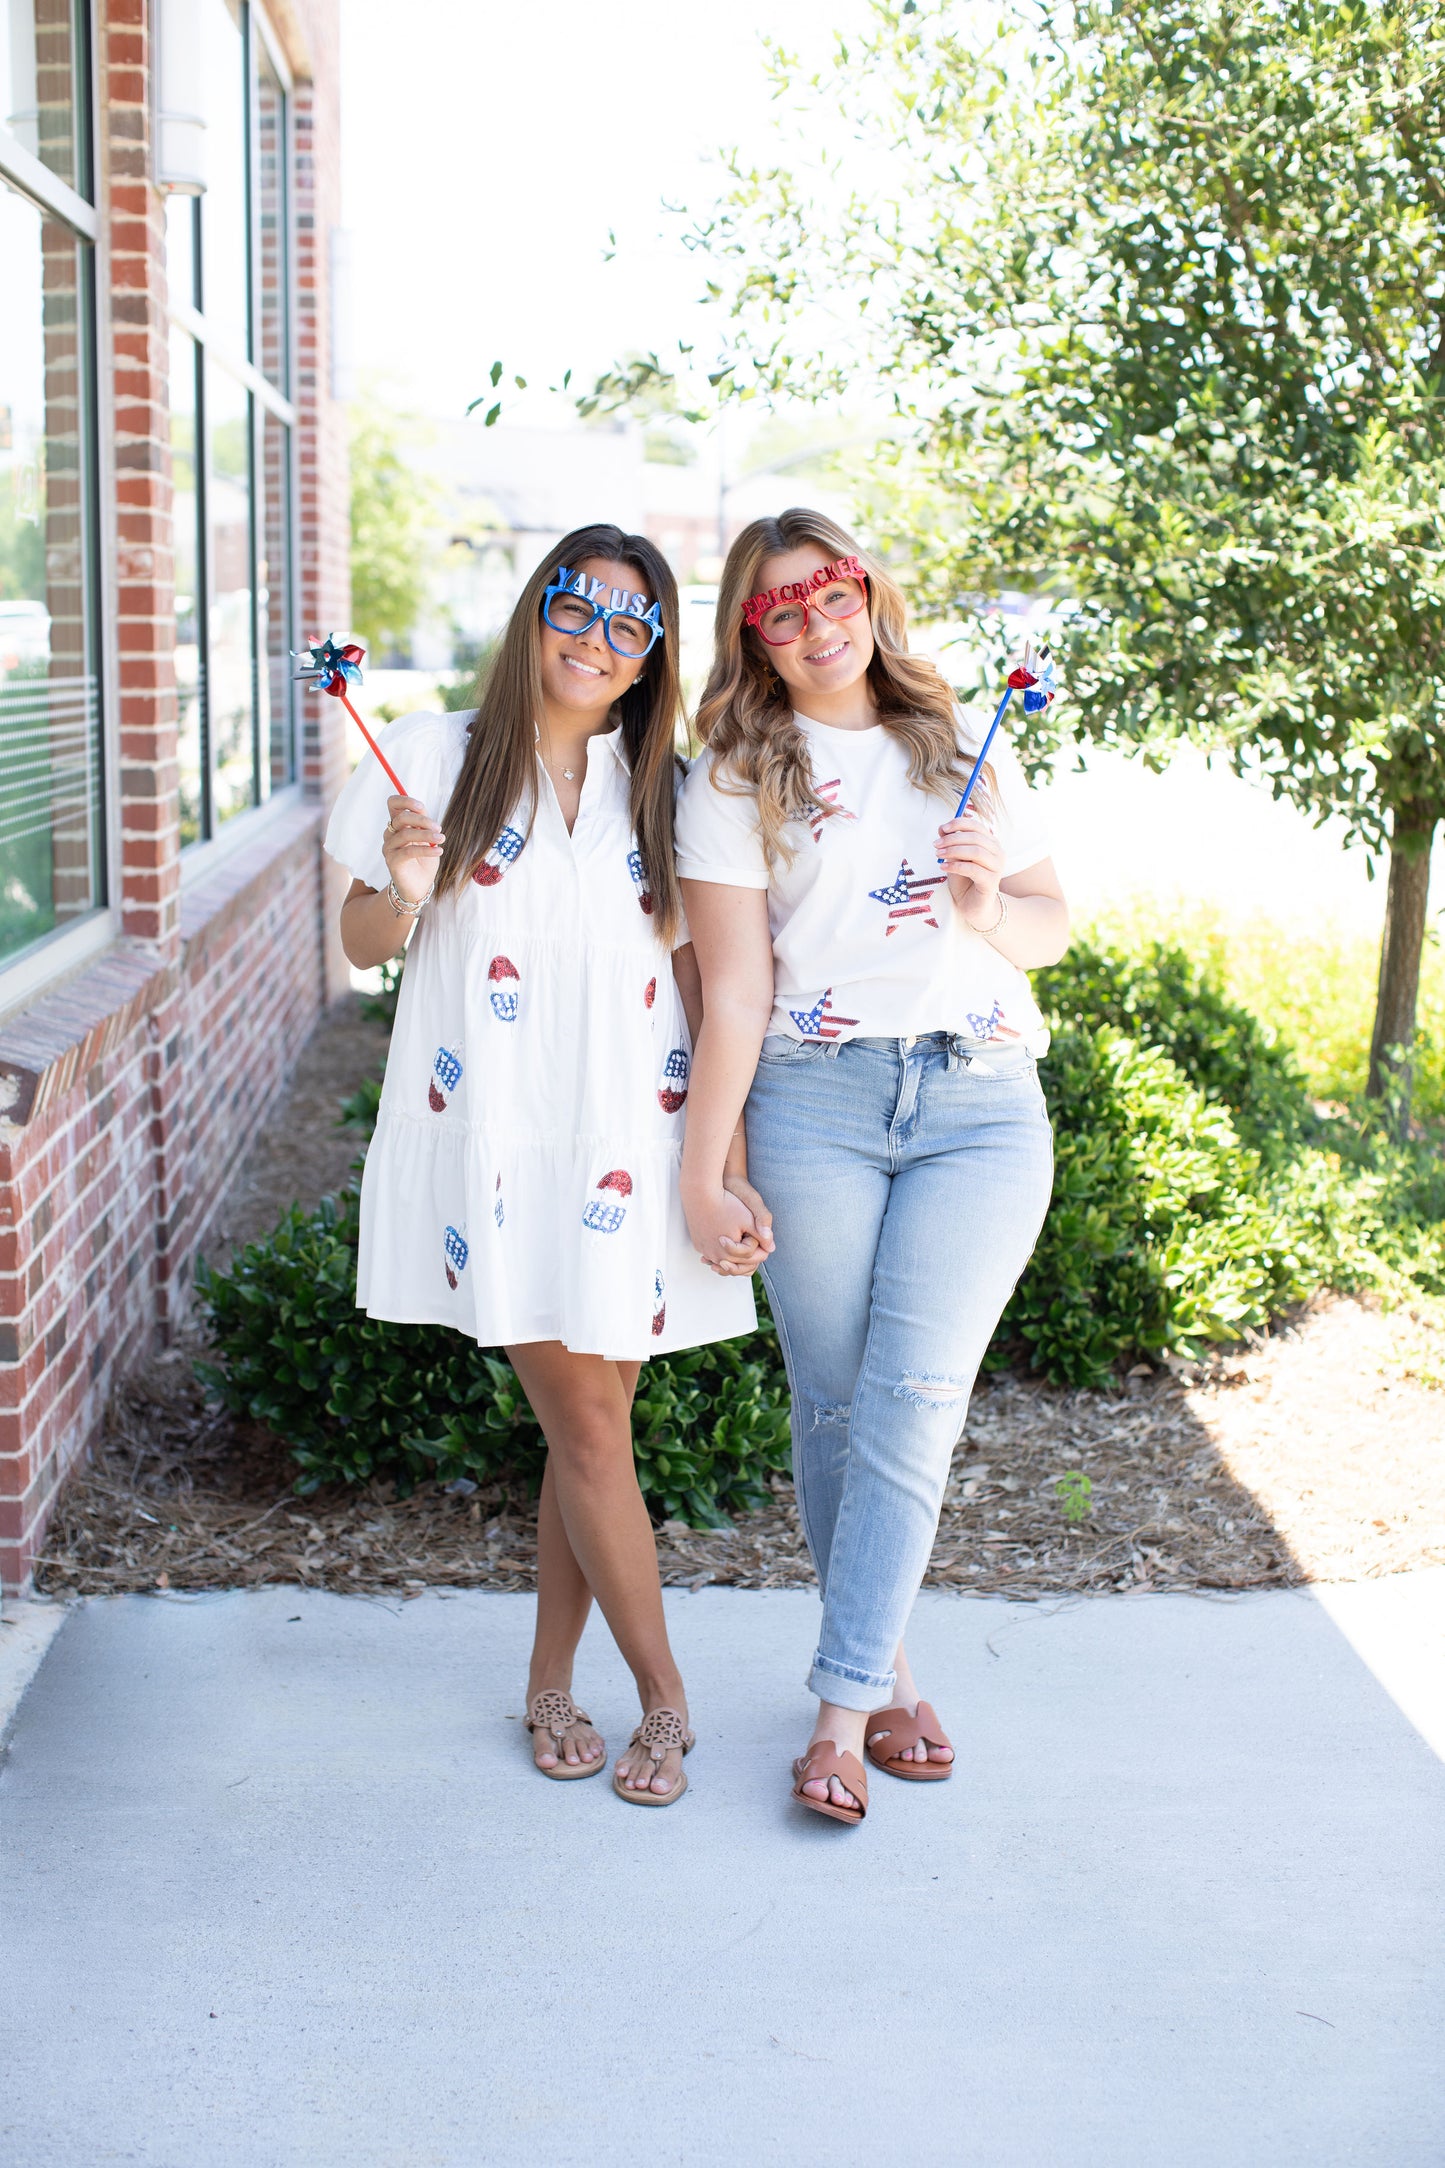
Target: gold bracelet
(400, 907)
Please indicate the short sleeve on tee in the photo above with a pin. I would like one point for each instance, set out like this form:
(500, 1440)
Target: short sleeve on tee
(718, 838)
(426, 752)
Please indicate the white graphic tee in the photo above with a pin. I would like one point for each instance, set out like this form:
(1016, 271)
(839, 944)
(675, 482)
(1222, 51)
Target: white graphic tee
(867, 941)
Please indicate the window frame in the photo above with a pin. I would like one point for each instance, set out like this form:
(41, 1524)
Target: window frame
(64, 950)
(211, 849)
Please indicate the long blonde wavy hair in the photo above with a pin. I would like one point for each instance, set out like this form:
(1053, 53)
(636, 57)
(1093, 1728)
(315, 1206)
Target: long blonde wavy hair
(745, 716)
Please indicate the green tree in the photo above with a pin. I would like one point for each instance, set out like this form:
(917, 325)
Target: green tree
(389, 510)
(22, 547)
(1159, 286)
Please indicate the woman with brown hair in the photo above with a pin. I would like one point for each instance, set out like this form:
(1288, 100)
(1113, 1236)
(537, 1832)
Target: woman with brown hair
(863, 953)
(522, 1184)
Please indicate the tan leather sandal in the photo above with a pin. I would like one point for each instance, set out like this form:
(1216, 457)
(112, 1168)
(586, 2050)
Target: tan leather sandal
(660, 1731)
(903, 1730)
(556, 1712)
(823, 1760)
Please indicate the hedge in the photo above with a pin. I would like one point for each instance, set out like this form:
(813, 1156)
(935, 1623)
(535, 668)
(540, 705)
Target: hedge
(1196, 1195)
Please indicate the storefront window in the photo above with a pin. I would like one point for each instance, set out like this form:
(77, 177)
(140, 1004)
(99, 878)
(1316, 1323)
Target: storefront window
(227, 258)
(270, 281)
(187, 510)
(225, 238)
(51, 868)
(40, 48)
(229, 675)
(273, 481)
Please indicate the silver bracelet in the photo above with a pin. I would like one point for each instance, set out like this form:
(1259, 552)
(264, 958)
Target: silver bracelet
(999, 923)
(401, 908)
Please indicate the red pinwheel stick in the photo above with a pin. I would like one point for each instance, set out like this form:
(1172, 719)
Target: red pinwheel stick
(327, 672)
(961, 808)
(1020, 678)
(392, 776)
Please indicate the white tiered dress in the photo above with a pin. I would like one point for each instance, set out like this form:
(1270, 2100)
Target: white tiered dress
(522, 1183)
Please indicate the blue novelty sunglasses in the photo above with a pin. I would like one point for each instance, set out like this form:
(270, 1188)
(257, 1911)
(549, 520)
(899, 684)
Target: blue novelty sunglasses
(631, 625)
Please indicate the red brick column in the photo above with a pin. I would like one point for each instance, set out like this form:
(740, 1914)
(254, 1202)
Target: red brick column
(323, 482)
(150, 871)
(148, 878)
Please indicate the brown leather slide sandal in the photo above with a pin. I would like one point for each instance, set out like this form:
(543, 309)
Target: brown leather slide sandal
(556, 1712)
(659, 1731)
(895, 1729)
(823, 1760)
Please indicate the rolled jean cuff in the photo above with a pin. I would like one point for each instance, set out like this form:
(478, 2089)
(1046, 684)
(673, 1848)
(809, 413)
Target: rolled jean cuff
(850, 1689)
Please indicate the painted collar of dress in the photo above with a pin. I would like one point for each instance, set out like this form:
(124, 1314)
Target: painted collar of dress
(842, 568)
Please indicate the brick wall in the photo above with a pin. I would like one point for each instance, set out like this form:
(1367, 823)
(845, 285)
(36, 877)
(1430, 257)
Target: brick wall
(324, 540)
(128, 1094)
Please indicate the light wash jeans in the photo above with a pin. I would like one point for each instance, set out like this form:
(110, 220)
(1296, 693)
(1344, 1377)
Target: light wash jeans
(908, 1181)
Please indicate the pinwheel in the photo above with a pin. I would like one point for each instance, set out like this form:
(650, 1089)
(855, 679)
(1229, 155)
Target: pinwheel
(330, 670)
(1034, 677)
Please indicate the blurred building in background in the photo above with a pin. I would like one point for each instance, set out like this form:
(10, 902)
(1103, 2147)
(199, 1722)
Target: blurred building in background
(173, 518)
(504, 497)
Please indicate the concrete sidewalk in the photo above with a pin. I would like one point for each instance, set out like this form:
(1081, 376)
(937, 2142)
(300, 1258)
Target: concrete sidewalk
(279, 1888)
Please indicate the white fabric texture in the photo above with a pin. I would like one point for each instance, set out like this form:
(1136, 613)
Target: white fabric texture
(867, 941)
(522, 1183)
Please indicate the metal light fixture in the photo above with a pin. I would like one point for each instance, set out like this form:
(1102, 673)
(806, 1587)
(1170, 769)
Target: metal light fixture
(179, 77)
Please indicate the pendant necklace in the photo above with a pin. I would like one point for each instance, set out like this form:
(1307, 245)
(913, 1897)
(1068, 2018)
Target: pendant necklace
(569, 774)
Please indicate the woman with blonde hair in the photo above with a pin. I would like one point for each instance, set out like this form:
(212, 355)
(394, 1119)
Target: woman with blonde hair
(522, 1184)
(863, 956)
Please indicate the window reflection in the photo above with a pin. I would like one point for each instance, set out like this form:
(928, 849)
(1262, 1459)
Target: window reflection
(190, 745)
(49, 767)
(229, 681)
(227, 258)
(224, 256)
(182, 260)
(271, 325)
(273, 616)
(37, 89)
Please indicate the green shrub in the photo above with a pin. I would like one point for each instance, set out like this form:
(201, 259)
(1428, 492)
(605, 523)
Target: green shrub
(1315, 984)
(1164, 998)
(355, 1397)
(382, 1004)
(1162, 1236)
(361, 1109)
(1195, 1197)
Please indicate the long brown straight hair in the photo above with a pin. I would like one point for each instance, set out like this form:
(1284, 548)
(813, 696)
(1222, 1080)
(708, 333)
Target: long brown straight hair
(745, 716)
(498, 782)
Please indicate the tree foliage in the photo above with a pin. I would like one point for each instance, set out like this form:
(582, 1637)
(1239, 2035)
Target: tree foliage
(1159, 288)
(389, 508)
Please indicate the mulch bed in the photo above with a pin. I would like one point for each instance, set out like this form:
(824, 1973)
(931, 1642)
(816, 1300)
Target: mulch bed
(1315, 1454)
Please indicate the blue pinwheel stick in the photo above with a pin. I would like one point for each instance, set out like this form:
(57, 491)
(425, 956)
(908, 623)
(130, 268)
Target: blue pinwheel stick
(330, 670)
(1034, 678)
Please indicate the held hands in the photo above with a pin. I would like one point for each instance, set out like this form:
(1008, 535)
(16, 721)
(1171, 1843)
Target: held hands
(972, 857)
(411, 844)
(731, 1228)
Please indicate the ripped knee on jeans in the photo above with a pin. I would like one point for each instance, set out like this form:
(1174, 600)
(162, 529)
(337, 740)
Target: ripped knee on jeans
(925, 1391)
(831, 1414)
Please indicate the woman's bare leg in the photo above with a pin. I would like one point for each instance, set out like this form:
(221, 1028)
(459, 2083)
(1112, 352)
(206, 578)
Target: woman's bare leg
(563, 1602)
(584, 1405)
